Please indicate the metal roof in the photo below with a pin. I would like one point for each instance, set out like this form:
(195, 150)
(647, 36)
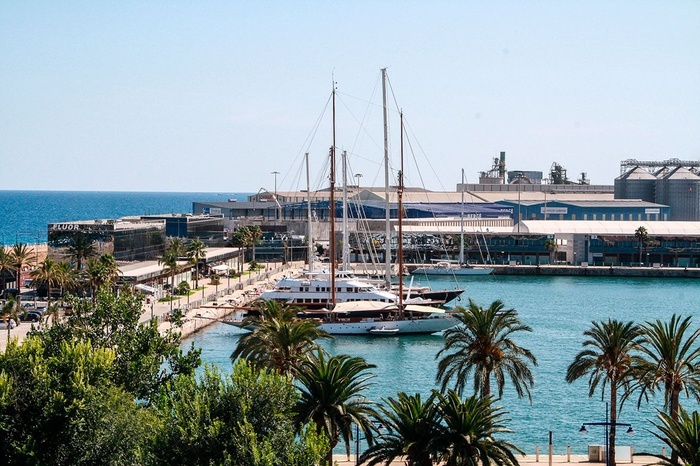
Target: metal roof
(592, 227)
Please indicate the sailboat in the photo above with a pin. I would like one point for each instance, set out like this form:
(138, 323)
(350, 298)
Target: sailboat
(442, 267)
(374, 318)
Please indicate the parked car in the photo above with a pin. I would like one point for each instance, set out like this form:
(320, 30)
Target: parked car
(30, 316)
(9, 293)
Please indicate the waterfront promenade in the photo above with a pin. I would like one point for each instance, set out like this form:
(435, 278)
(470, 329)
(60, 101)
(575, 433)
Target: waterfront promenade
(530, 460)
(203, 308)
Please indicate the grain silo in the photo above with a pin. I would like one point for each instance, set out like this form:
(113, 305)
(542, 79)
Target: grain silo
(636, 183)
(679, 189)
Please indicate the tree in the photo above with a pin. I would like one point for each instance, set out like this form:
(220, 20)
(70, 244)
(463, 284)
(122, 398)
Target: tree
(279, 341)
(68, 278)
(95, 275)
(110, 267)
(469, 432)
(20, 257)
(608, 358)
(61, 407)
(483, 346)
(49, 274)
(412, 425)
(332, 398)
(144, 359)
(247, 237)
(682, 435)
(81, 248)
(552, 247)
(196, 250)
(5, 265)
(245, 418)
(173, 252)
(643, 238)
(671, 363)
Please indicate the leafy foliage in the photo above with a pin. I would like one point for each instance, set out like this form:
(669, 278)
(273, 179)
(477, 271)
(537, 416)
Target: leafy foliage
(608, 359)
(413, 426)
(443, 429)
(143, 358)
(332, 398)
(483, 347)
(62, 407)
(243, 419)
(279, 341)
(682, 435)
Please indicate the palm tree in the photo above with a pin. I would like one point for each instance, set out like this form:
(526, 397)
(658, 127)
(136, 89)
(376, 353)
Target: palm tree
(111, 268)
(608, 358)
(331, 389)
(469, 429)
(5, 264)
(279, 341)
(412, 427)
(552, 247)
(96, 276)
(47, 273)
(682, 435)
(80, 249)
(20, 257)
(67, 277)
(643, 238)
(671, 363)
(483, 345)
(196, 250)
(171, 267)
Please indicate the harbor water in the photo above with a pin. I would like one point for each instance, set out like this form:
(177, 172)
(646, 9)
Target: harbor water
(559, 310)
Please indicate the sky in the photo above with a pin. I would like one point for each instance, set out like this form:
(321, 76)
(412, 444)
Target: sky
(216, 96)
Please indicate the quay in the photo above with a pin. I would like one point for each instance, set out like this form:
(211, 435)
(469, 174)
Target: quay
(214, 304)
(598, 271)
(530, 460)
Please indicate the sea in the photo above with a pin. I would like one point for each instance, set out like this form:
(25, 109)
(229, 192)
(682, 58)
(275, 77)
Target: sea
(558, 309)
(25, 215)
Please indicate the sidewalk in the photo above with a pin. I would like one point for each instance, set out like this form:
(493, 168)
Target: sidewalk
(234, 290)
(560, 460)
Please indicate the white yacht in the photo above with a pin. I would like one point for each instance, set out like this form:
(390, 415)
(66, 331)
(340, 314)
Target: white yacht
(313, 291)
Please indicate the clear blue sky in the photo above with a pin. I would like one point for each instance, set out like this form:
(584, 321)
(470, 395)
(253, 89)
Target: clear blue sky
(216, 95)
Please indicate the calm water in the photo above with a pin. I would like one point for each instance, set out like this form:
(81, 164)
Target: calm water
(558, 309)
(24, 215)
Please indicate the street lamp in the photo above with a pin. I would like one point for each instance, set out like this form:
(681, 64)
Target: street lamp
(358, 176)
(607, 424)
(376, 424)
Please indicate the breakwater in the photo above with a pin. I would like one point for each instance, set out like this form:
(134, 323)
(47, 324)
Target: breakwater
(597, 271)
(591, 271)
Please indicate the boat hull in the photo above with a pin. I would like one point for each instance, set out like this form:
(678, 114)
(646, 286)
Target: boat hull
(405, 327)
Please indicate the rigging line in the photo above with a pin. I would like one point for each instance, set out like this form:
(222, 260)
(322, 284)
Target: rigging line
(407, 124)
(312, 134)
(362, 123)
(310, 137)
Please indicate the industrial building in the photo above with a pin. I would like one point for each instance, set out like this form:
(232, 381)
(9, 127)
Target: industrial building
(672, 182)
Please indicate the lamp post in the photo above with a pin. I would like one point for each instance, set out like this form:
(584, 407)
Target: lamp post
(358, 176)
(607, 424)
(377, 424)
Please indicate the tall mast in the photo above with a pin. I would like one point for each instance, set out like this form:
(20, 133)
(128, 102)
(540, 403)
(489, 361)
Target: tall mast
(345, 252)
(309, 229)
(399, 251)
(387, 236)
(461, 225)
(332, 208)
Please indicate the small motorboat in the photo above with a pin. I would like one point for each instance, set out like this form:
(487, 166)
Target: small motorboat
(383, 331)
